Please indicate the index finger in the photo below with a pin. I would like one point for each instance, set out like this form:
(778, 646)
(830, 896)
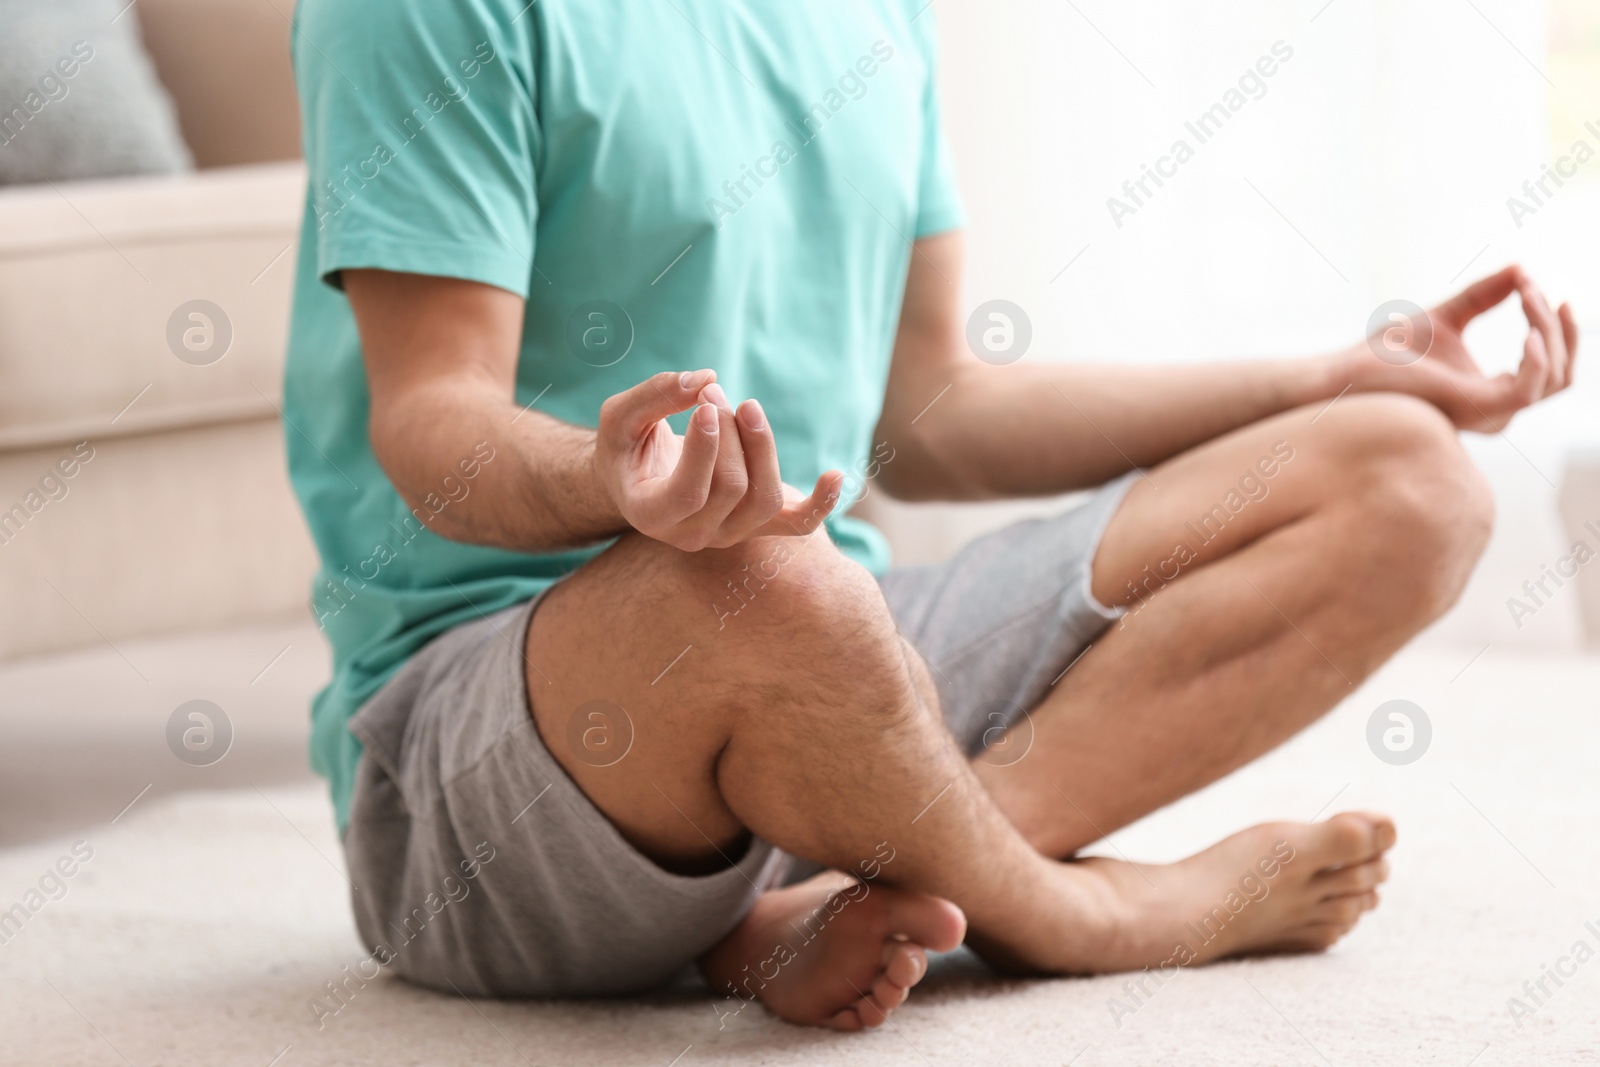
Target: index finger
(636, 410)
(1480, 296)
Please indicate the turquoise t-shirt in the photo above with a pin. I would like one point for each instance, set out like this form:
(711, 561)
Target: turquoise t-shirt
(671, 184)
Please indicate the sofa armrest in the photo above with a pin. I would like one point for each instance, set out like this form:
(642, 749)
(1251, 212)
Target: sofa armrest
(92, 274)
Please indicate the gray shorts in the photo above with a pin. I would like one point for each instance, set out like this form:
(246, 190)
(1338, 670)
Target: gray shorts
(478, 864)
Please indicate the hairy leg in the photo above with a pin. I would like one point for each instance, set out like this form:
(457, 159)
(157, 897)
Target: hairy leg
(798, 717)
(764, 690)
(1250, 615)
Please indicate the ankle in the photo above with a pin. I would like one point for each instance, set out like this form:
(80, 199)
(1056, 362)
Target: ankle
(1110, 923)
(1089, 924)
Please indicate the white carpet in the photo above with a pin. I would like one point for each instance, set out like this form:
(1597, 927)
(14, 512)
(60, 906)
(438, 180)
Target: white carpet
(205, 923)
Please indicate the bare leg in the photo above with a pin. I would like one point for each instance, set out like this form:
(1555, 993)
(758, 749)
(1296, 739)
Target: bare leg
(1272, 616)
(800, 719)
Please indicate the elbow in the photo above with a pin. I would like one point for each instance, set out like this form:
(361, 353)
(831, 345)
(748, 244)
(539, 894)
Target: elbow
(897, 485)
(383, 438)
(393, 440)
(919, 476)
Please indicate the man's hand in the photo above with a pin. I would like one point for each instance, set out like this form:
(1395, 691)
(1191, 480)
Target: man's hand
(1439, 369)
(714, 486)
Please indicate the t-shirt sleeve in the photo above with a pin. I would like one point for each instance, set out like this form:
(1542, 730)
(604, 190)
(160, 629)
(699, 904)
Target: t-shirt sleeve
(938, 199)
(421, 132)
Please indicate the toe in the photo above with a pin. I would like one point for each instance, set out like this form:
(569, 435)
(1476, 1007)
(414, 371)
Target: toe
(1351, 838)
(1323, 936)
(1347, 910)
(887, 995)
(1352, 881)
(904, 963)
(1384, 835)
(846, 1020)
(870, 1012)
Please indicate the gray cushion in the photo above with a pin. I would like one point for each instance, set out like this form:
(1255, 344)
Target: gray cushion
(79, 97)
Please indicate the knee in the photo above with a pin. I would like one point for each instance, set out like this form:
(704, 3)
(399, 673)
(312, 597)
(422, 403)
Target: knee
(813, 631)
(785, 604)
(1428, 508)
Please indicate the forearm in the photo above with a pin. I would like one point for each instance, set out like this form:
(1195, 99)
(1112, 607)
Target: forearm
(532, 486)
(963, 429)
(1036, 429)
(441, 358)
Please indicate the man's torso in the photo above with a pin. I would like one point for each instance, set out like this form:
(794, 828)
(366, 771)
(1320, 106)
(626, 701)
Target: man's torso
(671, 184)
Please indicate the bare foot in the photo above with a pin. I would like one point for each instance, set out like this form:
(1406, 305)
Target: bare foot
(831, 951)
(1277, 887)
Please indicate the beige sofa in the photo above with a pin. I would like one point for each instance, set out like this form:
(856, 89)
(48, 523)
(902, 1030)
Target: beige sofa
(139, 493)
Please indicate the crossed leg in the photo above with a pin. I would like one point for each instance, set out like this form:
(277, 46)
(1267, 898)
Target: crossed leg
(1245, 626)
(804, 720)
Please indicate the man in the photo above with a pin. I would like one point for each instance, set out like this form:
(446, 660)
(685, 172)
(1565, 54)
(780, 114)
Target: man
(582, 286)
